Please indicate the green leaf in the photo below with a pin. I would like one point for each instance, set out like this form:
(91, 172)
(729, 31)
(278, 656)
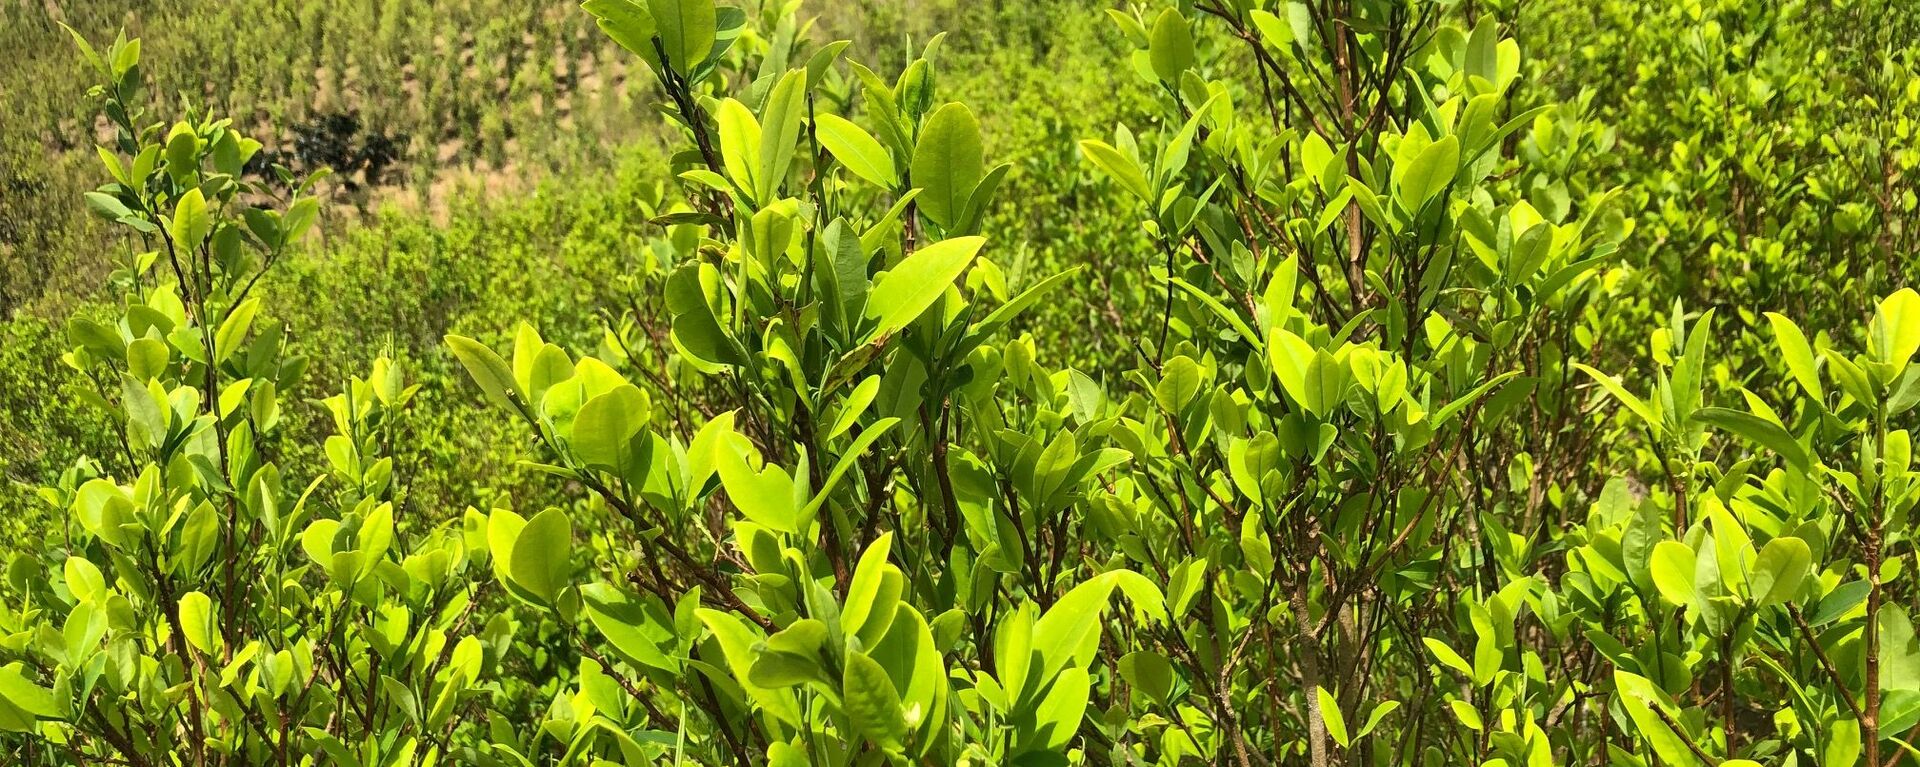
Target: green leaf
(1150, 673)
(1326, 384)
(1330, 715)
(764, 495)
(148, 417)
(779, 130)
(375, 535)
(1448, 657)
(31, 698)
(97, 338)
(491, 372)
(1780, 571)
(1428, 174)
(1291, 356)
(696, 329)
(1448, 411)
(1899, 649)
(628, 23)
(1530, 250)
(1380, 712)
(107, 206)
(1065, 633)
(872, 703)
(1851, 377)
(539, 562)
(1673, 569)
(191, 221)
(84, 580)
(1843, 599)
(197, 621)
(848, 459)
(903, 293)
(1894, 335)
(1057, 717)
(1170, 46)
(1465, 712)
(86, 49)
(1759, 430)
(183, 161)
(736, 639)
(686, 29)
(1482, 56)
(740, 135)
(1626, 398)
(1488, 658)
(1843, 743)
(1124, 169)
(948, 163)
(867, 599)
(629, 630)
(1798, 355)
(1006, 312)
(85, 627)
(605, 429)
(1640, 696)
(913, 661)
(856, 149)
(234, 328)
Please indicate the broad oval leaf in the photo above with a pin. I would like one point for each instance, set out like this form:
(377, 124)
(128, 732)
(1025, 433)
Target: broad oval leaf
(948, 163)
(904, 292)
(539, 559)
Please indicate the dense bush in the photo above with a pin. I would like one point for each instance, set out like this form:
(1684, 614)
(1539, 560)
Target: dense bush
(1356, 401)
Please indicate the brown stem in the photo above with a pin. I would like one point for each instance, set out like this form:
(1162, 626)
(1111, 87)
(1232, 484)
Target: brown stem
(1826, 663)
(1870, 718)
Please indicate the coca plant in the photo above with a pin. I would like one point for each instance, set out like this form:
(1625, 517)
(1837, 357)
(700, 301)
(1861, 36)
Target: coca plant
(199, 604)
(1368, 489)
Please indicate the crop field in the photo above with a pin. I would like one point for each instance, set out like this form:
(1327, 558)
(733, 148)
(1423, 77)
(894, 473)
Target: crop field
(848, 383)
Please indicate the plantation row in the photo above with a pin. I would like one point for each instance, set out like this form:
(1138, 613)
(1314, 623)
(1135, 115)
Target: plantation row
(1370, 394)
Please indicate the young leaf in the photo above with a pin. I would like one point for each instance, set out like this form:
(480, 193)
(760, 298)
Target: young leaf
(686, 29)
(1759, 430)
(1626, 398)
(1429, 173)
(1170, 46)
(1798, 355)
(856, 149)
(872, 703)
(948, 163)
(491, 372)
(1673, 569)
(1780, 571)
(779, 131)
(1894, 335)
(628, 23)
(539, 563)
(18, 691)
(1124, 169)
(234, 328)
(191, 221)
(765, 495)
(197, 621)
(900, 296)
(1330, 715)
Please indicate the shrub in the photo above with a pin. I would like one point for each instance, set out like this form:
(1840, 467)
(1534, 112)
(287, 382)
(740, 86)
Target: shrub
(1360, 488)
